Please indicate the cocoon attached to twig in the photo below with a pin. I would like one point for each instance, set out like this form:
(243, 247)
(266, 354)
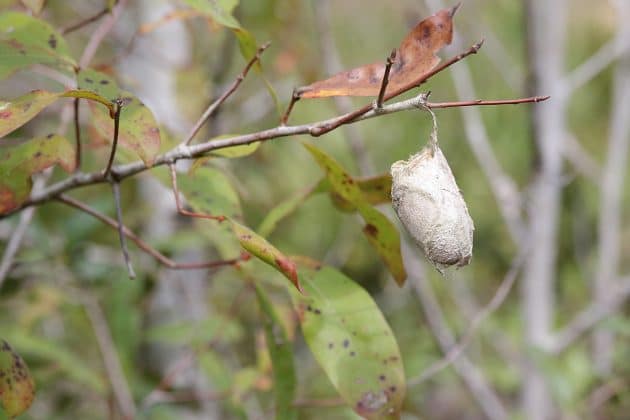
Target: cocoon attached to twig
(431, 207)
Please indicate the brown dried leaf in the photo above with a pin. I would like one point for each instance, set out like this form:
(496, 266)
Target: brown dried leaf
(415, 57)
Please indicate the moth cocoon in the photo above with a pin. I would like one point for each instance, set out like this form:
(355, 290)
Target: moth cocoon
(431, 207)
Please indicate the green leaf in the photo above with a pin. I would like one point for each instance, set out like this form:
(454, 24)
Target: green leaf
(34, 6)
(209, 191)
(236, 151)
(378, 229)
(352, 342)
(281, 352)
(139, 131)
(21, 159)
(17, 388)
(25, 40)
(266, 252)
(281, 211)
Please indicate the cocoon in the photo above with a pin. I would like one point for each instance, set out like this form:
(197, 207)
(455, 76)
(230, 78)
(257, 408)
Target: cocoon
(431, 207)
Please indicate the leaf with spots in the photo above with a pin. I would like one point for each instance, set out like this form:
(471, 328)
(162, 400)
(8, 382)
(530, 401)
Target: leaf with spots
(266, 252)
(21, 159)
(19, 111)
(25, 41)
(378, 229)
(281, 352)
(351, 340)
(207, 190)
(17, 387)
(375, 189)
(139, 131)
(414, 57)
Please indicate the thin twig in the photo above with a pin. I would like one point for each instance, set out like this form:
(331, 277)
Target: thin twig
(295, 96)
(499, 297)
(86, 21)
(589, 318)
(112, 154)
(216, 104)
(198, 150)
(100, 33)
(121, 233)
(180, 209)
(143, 245)
(385, 81)
(77, 134)
(481, 102)
(119, 385)
(415, 83)
(13, 246)
(478, 385)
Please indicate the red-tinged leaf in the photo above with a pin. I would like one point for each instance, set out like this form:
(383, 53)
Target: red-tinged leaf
(281, 352)
(351, 341)
(21, 159)
(139, 131)
(380, 232)
(17, 387)
(25, 40)
(266, 252)
(415, 57)
(19, 111)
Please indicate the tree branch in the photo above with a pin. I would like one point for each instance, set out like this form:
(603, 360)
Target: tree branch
(499, 297)
(198, 150)
(143, 245)
(589, 317)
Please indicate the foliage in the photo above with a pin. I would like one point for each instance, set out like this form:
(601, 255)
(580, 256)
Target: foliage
(314, 325)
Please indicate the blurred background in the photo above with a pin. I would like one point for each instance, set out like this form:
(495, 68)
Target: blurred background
(545, 184)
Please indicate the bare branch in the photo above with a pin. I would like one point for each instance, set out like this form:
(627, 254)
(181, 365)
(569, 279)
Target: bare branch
(143, 245)
(589, 318)
(216, 104)
(85, 22)
(471, 376)
(77, 134)
(112, 154)
(197, 150)
(113, 369)
(481, 102)
(13, 246)
(457, 350)
(385, 81)
(121, 234)
(100, 33)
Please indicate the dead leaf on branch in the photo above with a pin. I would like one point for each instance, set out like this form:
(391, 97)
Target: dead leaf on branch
(414, 57)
